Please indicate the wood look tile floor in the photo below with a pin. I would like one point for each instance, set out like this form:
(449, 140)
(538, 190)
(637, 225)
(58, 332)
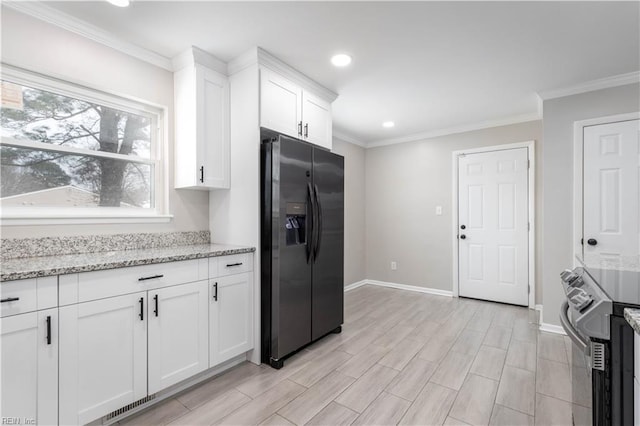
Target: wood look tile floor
(402, 358)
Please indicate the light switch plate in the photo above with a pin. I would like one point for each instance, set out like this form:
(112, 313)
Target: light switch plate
(438, 210)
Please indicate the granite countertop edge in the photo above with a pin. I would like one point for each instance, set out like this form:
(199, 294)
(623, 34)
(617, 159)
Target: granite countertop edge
(25, 268)
(633, 318)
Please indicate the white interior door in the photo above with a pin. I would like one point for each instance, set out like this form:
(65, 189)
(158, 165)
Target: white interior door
(493, 246)
(611, 189)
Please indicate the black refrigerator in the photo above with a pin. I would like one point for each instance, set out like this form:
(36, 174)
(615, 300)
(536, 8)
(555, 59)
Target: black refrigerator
(302, 245)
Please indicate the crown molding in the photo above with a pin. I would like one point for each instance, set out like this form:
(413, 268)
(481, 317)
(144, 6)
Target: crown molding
(337, 134)
(65, 21)
(193, 56)
(523, 118)
(590, 86)
(259, 56)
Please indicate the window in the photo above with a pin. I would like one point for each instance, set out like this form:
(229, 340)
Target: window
(71, 152)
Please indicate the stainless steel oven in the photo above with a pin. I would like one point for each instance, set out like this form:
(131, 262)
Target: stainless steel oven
(585, 318)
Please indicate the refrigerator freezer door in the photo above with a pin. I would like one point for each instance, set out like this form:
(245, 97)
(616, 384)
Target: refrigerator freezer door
(328, 268)
(291, 269)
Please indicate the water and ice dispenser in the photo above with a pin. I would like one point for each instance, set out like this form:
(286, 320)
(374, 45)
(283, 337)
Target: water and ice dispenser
(296, 228)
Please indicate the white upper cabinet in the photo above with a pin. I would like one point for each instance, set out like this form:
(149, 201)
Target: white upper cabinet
(280, 104)
(288, 108)
(317, 120)
(201, 146)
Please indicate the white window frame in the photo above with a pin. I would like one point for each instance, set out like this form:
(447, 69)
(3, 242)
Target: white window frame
(98, 215)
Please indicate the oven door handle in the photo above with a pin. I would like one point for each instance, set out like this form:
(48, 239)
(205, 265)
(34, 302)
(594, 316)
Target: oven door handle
(570, 330)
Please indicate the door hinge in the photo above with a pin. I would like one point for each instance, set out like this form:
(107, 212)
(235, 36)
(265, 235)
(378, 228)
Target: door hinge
(529, 288)
(528, 164)
(528, 226)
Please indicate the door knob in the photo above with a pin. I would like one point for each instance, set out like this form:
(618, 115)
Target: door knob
(592, 241)
(463, 237)
(463, 227)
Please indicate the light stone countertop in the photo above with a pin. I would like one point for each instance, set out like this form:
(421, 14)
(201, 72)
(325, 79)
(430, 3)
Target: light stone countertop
(633, 318)
(619, 263)
(34, 267)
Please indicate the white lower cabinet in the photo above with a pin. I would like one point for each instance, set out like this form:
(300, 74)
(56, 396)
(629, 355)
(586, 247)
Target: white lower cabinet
(106, 348)
(103, 356)
(178, 334)
(29, 347)
(230, 316)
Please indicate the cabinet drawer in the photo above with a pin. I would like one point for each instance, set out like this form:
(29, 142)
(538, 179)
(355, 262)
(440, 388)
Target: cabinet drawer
(114, 282)
(234, 264)
(29, 295)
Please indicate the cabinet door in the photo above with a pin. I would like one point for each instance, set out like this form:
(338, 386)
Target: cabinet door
(178, 334)
(316, 114)
(103, 356)
(230, 316)
(212, 109)
(280, 104)
(19, 338)
(48, 366)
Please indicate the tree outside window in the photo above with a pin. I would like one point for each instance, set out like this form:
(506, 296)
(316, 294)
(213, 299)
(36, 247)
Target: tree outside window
(61, 151)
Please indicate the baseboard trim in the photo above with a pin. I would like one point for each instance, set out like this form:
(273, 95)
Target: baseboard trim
(550, 328)
(415, 288)
(355, 285)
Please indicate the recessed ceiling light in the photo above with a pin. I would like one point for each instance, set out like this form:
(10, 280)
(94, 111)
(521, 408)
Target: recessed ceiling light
(341, 60)
(388, 124)
(119, 3)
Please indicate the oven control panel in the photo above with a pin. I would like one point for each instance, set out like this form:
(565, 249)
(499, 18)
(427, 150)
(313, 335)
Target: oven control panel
(589, 305)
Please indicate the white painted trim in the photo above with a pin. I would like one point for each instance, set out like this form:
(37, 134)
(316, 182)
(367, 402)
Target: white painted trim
(530, 145)
(195, 55)
(456, 129)
(578, 145)
(355, 285)
(65, 21)
(80, 219)
(590, 86)
(415, 288)
(337, 134)
(550, 328)
(263, 58)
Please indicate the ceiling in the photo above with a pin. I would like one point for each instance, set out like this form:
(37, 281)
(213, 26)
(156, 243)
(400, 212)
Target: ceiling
(427, 66)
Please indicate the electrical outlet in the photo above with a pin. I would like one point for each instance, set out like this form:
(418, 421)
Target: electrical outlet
(394, 266)
(438, 210)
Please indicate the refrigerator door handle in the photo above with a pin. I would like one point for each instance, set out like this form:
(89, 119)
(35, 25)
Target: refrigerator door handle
(318, 223)
(310, 223)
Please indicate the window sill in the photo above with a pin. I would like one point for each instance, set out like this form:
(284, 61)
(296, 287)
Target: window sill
(8, 220)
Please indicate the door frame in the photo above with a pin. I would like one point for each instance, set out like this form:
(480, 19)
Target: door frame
(578, 160)
(530, 145)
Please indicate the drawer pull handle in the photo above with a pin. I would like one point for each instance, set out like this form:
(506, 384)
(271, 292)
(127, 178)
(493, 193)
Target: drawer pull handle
(156, 300)
(141, 315)
(9, 299)
(48, 329)
(234, 264)
(153, 277)
(215, 294)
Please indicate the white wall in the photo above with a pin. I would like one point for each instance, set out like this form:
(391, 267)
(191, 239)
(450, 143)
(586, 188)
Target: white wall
(559, 116)
(404, 184)
(37, 46)
(354, 210)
